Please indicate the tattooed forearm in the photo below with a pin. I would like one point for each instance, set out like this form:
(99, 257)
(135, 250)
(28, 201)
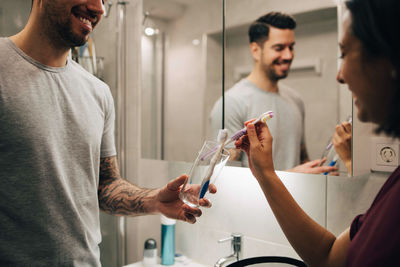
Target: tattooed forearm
(116, 195)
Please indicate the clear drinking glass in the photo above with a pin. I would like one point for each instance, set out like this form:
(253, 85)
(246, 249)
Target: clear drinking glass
(196, 185)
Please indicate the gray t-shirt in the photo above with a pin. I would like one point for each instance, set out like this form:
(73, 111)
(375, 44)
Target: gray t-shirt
(55, 125)
(245, 101)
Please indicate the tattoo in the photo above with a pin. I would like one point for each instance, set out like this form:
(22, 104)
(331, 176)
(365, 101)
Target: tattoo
(303, 154)
(116, 195)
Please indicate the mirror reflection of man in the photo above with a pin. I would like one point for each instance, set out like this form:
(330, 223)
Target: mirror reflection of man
(272, 44)
(58, 164)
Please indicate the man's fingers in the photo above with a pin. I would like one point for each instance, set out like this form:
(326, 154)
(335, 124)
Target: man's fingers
(177, 182)
(212, 189)
(205, 203)
(189, 218)
(190, 210)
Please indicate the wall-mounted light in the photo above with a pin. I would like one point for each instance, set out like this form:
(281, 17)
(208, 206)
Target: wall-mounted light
(148, 25)
(149, 31)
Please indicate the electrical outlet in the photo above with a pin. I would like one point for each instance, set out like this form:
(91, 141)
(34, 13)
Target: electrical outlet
(385, 154)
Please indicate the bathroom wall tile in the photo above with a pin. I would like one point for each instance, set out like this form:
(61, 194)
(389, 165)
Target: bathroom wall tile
(253, 247)
(176, 168)
(348, 197)
(209, 250)
(153, 173)
(187, 239)
(240, 205)
(309, 191)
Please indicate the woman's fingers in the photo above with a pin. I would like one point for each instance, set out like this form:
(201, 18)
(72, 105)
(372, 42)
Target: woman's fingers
(252, 134)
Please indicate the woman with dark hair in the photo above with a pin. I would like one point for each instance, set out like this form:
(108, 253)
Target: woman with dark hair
(370, 67)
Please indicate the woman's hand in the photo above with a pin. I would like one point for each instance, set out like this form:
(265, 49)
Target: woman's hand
(342, 143)
(257, 144)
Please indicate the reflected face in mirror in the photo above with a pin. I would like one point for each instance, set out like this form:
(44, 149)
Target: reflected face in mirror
(276, 54)
(364, 74)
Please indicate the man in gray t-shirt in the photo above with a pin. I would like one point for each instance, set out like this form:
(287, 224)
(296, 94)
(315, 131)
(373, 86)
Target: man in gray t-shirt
(272, 47)
(245, 101)
(58, 165)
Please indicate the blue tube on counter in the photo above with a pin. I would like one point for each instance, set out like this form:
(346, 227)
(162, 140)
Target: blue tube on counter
(167, 241)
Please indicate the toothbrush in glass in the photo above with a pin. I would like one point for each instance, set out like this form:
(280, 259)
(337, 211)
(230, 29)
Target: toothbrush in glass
(222, 136)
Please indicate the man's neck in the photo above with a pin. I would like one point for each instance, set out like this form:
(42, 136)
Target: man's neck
(262, 81)
(39, 47)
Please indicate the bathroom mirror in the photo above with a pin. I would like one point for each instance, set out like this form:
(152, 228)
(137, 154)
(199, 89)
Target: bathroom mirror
(182, 70)
(313, 70)
(181, 75)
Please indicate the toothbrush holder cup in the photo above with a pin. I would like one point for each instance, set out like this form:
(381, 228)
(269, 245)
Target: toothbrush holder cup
(203, 167)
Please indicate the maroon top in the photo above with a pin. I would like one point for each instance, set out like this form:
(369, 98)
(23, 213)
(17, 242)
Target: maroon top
(375, 235)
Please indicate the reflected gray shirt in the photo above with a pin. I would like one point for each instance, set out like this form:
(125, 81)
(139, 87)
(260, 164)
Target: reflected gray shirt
(245, 101)
(55, 125)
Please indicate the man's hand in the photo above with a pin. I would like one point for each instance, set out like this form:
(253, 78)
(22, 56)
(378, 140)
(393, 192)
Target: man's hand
(169, 203)
(119, 197)
(314, 167)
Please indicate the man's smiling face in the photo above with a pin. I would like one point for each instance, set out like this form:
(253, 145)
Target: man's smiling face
(277, 53)
(69, 22)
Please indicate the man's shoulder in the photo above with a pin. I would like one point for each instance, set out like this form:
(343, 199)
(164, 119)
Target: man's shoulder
(287, 91)
(4, 50)
(235, 97)
(82, 73)
(240, 89)
(291, 95)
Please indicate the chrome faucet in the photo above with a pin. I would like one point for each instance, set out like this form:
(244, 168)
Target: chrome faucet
(236, 241)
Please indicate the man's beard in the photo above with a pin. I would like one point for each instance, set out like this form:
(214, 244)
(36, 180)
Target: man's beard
(59, 27)
(271, 73)
(273, 76)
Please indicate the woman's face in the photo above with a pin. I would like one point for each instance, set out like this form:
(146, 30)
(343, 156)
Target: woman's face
(371, 80)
